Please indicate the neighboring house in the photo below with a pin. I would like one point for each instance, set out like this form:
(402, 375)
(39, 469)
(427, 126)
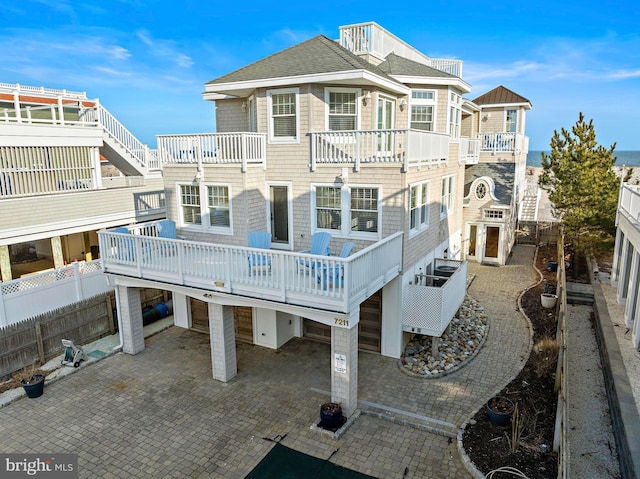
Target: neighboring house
(495, 189)
(625, 274)
(365, 139)
(54, 197)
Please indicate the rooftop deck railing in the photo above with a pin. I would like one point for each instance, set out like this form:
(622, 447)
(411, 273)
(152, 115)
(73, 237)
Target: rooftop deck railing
(244, 148)
(323, 282)
(407, 147)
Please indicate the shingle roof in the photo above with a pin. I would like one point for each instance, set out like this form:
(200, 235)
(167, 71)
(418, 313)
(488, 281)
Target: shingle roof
(500, 95)
(397, 65)
(314, 56)
(503, 175)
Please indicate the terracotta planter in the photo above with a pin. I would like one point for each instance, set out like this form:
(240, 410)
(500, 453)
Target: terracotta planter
(548, 300)
(500, 410)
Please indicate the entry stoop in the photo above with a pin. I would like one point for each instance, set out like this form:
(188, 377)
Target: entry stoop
(579, 293)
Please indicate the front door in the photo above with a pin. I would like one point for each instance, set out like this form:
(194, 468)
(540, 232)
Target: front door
(279, 213)
(492, 244)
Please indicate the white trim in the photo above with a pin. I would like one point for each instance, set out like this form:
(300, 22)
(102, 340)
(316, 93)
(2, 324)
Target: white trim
(459, 83)
(205, 225)
(359, 77)
(420, 226)
(289, 185)
(358, 101)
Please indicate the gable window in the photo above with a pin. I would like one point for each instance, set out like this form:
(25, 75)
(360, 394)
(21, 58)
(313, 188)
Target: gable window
(455, 112)
(342, 109)
(511, 121)
(446, 198)
(190, 204)
(419, 207)
(346, 211)
(493, 214)
(206, 207)
(422, 109)
(283, 117)
(328, 208)
(481, 190)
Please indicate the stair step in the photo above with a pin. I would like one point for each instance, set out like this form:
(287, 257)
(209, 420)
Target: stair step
(583, 300)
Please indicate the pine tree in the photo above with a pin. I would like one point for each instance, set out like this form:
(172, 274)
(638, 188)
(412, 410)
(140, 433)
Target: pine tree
(582, 185)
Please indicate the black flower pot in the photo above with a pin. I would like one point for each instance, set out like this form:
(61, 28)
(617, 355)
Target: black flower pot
(35, 386)
(330, 415)
(500, 410)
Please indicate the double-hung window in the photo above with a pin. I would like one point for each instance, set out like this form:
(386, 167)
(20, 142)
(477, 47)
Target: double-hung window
(446, 198)
(283, 115)
(205, 207)
(347, 210)
(423, 104)
(342, 109)
(419, 207)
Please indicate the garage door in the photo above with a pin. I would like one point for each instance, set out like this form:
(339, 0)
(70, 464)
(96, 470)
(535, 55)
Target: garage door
(369, 326)
(242, 317)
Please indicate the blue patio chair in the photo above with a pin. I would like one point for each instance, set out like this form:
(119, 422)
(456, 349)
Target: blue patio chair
(319, 246)
(334, 274)
(166, 229)
(261, 240)
(125, 247)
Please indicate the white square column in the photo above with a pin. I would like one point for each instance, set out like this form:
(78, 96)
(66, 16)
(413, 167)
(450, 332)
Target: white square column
(223, 342)
(181, 310)
(344, 368)
(130, 314)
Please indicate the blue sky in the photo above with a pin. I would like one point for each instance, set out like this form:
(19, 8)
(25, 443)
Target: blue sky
(147, 61)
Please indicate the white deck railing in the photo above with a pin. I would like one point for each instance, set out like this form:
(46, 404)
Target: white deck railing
(39, 90)
(407, 147)
(629, 203)
(371, 38)
(469, 151)
(23, 298)
(502, 142)
(432, 301)
(325, 282)
(220, 148)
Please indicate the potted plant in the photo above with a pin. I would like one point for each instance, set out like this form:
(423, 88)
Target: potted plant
(500, 410)
(330, 415)
(31, 382)
(548, 300)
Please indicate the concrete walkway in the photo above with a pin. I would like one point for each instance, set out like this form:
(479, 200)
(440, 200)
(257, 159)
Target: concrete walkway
(159, 414)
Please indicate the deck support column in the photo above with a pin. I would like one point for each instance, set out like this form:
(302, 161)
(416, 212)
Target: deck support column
(5, 263)
(130, 314)
(56, 249)
(181, 310)
(223, 342)
(344, 368)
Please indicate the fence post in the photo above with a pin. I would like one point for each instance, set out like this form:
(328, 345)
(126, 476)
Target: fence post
(77, 281)
(39, 341)
(3, 313)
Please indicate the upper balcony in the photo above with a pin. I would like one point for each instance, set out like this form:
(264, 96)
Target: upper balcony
(329, 283)
(496, 142)
(469, 151)
(629, 203)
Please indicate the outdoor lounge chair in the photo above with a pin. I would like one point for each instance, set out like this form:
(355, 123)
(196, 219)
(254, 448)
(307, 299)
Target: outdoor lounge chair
(334, 274)
(319, 246)
(125, 247)
(261, 240)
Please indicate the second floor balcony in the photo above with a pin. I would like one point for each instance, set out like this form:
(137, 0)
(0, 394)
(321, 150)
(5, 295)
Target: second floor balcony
(329, 283)
(496, 142)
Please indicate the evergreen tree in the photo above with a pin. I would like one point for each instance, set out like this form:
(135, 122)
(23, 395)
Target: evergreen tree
(583, 188)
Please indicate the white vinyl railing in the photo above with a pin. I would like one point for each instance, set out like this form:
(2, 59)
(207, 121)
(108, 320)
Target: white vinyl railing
(39, 90)
(326, 282)
(220, 148)
(469, 151)
(408, 147)
(502, 142)
(371, 38)
(23, 298)
(629, 202)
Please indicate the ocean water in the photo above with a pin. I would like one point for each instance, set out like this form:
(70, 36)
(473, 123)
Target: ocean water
(624, 158)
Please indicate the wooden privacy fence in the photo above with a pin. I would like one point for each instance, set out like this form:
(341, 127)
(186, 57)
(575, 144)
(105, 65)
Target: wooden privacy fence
(38, 339)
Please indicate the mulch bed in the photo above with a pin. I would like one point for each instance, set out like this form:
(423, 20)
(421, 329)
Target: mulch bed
(526, 444)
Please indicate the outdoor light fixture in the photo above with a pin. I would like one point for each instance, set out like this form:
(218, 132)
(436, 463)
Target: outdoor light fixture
(403, 104)
(366, 98)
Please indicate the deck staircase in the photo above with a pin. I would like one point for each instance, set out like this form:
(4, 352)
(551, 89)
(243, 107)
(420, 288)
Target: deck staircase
(529, 206)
